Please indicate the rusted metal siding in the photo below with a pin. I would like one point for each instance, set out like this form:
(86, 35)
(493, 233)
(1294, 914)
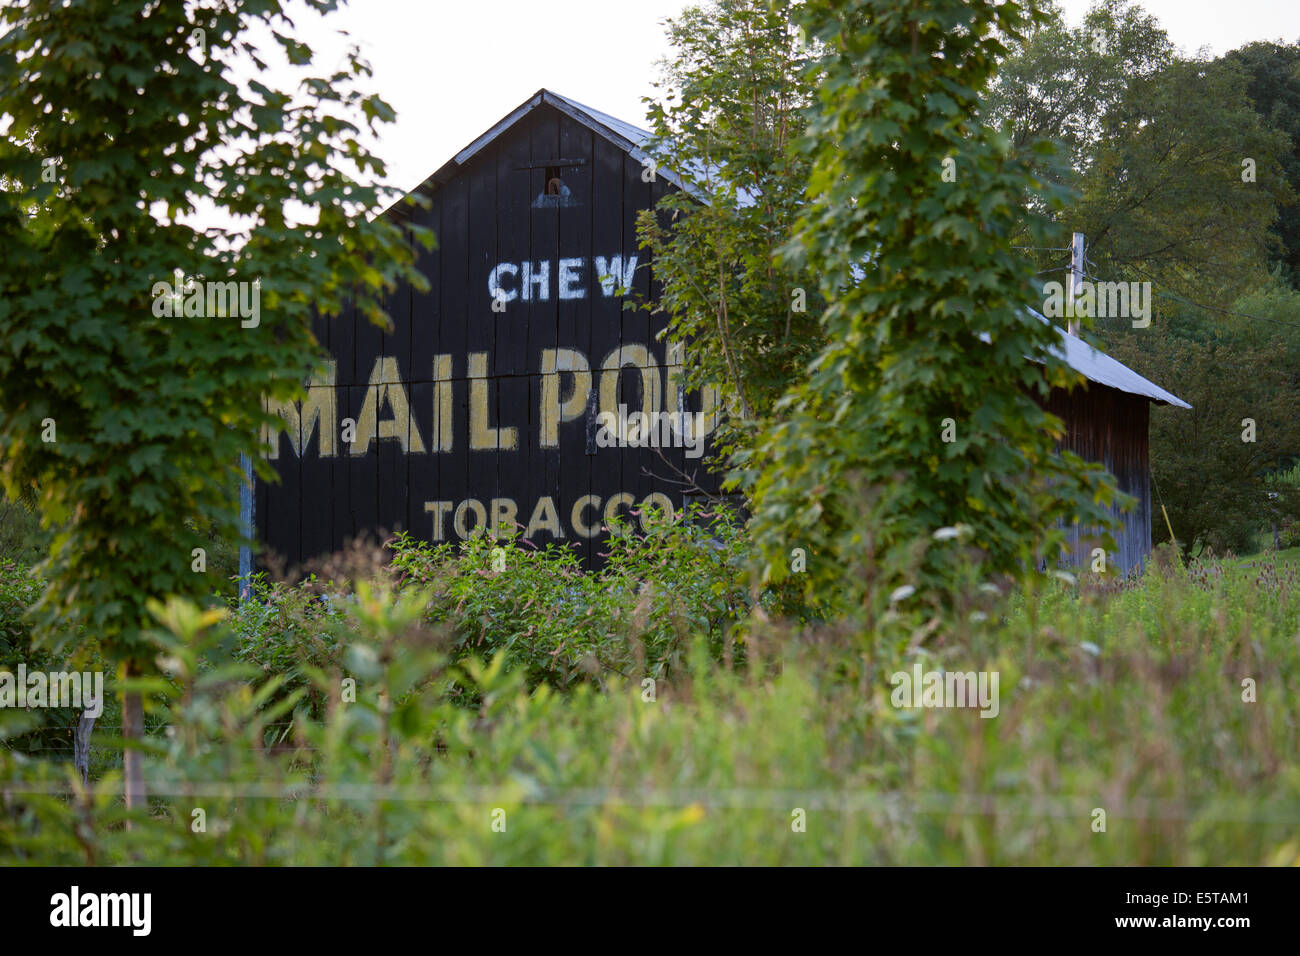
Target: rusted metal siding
(1111, 427)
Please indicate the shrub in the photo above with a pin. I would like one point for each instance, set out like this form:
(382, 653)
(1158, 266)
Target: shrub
(563, 625)
(47, 732)
(1130, 701)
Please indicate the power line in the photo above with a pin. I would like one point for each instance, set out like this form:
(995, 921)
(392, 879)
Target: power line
(1173, 297)
(1211, 308)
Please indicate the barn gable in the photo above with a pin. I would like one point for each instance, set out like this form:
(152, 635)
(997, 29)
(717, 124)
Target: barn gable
(622, 135)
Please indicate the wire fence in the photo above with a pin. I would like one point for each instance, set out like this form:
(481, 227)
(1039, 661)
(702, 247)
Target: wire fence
(105, 731)
(877, 802)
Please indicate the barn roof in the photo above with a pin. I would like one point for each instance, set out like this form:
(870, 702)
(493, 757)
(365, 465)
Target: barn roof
(1094, 365)
(1097, 366)
(622, 134)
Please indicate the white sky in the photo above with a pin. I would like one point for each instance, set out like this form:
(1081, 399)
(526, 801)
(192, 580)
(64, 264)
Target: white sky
(452, 69)
(1221, 25)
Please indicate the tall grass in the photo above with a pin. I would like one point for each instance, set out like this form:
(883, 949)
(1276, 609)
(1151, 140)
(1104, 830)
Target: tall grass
(756, 741)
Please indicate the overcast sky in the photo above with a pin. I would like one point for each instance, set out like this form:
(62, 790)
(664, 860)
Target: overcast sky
(452, 69)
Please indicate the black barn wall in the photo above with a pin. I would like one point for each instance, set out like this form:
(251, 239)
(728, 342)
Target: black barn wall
(484, 215)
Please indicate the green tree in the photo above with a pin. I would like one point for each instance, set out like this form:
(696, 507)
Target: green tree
(127, 422)
(1061, 82)
(1166, 195)
(1272, 72)
(1232, 365)
(1153, 146)
(1211, 464)
(920, 415)
(727, 120)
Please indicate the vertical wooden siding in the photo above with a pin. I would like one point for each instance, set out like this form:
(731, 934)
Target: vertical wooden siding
(487, 214)
(1111, 427)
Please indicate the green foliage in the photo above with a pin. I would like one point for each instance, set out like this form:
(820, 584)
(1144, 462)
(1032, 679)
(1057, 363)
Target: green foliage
(1153, 146)
(151, 412)
(47, 733)
(1211, 477)
(727, 120)
(1272, 73)
(926, 325)
(1164, 193)
(1131, 701)
(1268, 319)
(564, 626)
(291, 630)
(1061, 82)
(20, 532)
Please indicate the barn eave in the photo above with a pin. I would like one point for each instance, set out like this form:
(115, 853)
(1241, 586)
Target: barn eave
(1096, 366)
(622, 134)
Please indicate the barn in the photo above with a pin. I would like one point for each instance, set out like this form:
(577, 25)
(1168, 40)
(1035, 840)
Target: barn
(486, 405)
(1109, 422)
(481, 407)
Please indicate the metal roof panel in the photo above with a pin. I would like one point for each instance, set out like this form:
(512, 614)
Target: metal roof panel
(1096, 366)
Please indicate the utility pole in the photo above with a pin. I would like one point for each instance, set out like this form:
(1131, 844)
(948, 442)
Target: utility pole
(1076, 281)
(246, 529)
